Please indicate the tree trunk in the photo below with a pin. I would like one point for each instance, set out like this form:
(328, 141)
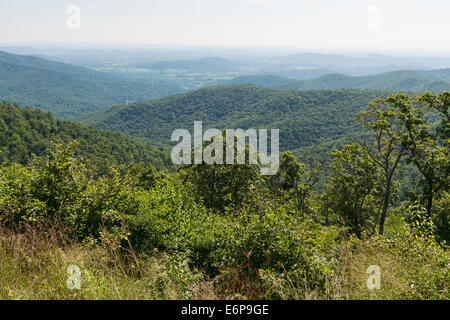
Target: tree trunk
(385, 206)
(429, 203)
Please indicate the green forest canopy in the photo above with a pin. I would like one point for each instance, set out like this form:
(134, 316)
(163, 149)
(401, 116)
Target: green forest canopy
(24, 132)
(304, 118)
(68, 91)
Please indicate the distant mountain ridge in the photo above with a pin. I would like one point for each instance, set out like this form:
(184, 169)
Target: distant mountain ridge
(35, 62)
(69, 91)
(412, 81)
(207, 64)
(366, 60)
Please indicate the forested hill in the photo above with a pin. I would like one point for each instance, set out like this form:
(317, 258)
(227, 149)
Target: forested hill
(24, 132)
(68, 91)
(303, 117)
(68, 69)
(413, 81)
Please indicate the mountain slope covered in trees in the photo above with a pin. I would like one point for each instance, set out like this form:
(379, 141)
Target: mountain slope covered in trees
(24, 132)
(304, 118)
(69, 69)
(413, 81)
(67, 90)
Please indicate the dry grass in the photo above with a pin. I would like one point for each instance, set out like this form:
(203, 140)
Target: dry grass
(408, 275)
(33, 265)
(34, 261)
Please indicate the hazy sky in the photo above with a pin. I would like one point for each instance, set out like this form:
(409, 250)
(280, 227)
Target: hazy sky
(395, 25)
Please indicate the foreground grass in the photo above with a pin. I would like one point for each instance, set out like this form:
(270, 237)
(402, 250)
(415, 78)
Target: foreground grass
(33, 265)
(408, 272)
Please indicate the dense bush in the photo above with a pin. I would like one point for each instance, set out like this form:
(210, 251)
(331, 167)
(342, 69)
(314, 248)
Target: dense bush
(254, 250)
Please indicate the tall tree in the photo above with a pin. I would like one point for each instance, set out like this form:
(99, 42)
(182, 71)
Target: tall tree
(385, 147)
(428, 144)
(352, 189)
(224, 185)
(296, 180)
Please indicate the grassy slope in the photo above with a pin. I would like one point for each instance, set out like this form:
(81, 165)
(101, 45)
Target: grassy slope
(33, 266)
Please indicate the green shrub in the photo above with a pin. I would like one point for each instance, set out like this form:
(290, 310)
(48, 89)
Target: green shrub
(272, 244)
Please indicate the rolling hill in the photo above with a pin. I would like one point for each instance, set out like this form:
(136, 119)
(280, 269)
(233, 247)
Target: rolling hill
(304, 118)
(339, 61)
(68, 91)
(68, 69)
(24, 132)
(411, 81)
